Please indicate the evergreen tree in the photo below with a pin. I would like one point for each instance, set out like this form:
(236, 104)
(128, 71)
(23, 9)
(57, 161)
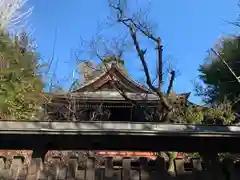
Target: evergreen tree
(20, 83)
(219, 83)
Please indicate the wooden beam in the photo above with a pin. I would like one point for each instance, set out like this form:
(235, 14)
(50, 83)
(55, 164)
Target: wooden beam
(118, 136)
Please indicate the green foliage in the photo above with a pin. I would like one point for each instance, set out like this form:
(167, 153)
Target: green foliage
(220, 83)
(222, 112)
(20, 85)
(193, 116)
(219, 114)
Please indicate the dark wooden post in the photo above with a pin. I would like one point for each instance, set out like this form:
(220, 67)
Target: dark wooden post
(179, 167)
(161, 168)
(16, 167)
(73, 105)
(90, 169)
(126, 169)
(108, 167)
(144, 171)
(36, 163)
(197, 169)
(34, 169)
(72, 168)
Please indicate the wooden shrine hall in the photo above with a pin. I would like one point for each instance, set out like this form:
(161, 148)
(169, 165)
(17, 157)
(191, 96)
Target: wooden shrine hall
(99, 99)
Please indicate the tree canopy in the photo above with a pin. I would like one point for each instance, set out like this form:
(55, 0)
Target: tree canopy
(21, 84)
(219, 83)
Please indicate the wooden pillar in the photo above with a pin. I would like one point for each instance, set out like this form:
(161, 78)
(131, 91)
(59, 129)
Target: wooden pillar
(131, 113)
(90, 169)
(73, 102)
(16, 168)
(72, 168)
(126, 169)
(144, 173)
(34, 169)
(197, 169)
(109, 167)
(36, 163)
(161, 168)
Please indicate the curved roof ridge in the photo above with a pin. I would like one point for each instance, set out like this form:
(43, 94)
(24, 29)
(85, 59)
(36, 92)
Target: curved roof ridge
(118, 69)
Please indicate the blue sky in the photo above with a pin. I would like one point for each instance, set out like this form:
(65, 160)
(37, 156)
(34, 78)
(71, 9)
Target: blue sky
(188, 29)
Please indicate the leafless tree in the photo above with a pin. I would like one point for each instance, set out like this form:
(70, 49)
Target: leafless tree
(135, 27)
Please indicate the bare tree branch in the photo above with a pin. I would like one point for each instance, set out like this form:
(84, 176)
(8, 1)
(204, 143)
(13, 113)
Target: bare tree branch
(133, 27)
(107, 70)
(171, 82)
(123, 93)
(160, 64)
(12, 14)
(101, 47)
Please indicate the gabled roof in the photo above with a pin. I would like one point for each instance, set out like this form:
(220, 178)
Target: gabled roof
(94, 89)
(114, 74)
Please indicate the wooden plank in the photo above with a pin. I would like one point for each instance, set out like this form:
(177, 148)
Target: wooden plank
(34, 169)
(95, 136)
(16, 167)
(126, 169)
(108, 167)
(161, 170)
(55, 167)
(90, 169)
(72, 168)
(135, 174)
(144, 170)
(197, 172)
(3, 171)
(197, 164)
(179, 167)
(44, 127)
(62, 173)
